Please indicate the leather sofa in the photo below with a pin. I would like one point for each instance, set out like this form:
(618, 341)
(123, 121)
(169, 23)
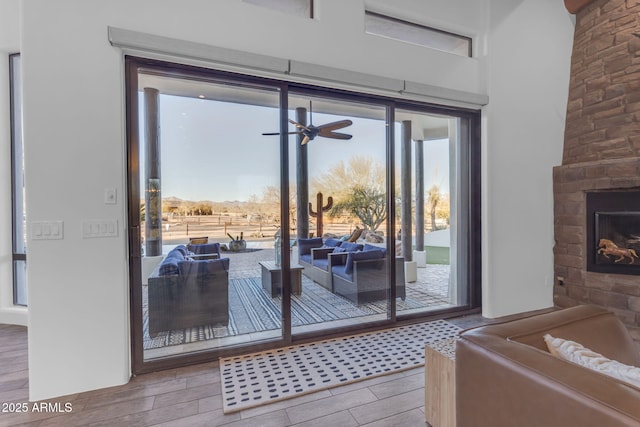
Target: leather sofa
(185, 291)
(505, 375)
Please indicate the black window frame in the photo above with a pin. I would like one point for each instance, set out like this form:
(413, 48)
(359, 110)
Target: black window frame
(469, 253)
(17, 150)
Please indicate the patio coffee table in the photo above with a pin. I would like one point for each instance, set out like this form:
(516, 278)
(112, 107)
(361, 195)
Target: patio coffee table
(272, 278)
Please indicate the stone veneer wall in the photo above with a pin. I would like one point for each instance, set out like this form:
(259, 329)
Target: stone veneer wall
(601, 150)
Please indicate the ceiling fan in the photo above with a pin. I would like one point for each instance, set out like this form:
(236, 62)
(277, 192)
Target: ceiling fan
(310, 131)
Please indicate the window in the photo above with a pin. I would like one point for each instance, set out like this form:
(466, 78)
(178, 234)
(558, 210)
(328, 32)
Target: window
(398, 29)
(302, 8)
(17, 169)
(315, 220)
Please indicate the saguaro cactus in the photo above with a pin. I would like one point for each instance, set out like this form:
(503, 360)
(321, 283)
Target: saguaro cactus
(321, 209)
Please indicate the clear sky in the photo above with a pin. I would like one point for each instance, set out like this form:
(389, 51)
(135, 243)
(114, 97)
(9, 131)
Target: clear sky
(215, 150)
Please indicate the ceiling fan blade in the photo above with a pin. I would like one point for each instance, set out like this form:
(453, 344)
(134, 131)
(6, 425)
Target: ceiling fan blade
(298, 125)
(336, 135)
(305, 140)
(279, 133)
(327, 130)
(335, 125)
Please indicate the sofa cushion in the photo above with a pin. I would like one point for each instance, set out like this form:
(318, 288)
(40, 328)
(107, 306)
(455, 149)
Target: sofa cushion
(322, 263)
(305, 245)
(577, 353)
(332, 243)
(182, 249)
(169, 264)
(207, 248)
(305, 258)
(368, 247)
(203, 266)
(351, 247)
(339, 249)
(360, 256)
(339, 270)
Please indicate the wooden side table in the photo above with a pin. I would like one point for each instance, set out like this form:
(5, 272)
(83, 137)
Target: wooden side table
(440, 383)
(272, 278)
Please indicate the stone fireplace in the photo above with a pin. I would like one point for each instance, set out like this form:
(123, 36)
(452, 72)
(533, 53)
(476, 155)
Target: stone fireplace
(601, 155)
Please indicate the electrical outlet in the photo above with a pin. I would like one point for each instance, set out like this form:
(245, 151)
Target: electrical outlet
(110, 196)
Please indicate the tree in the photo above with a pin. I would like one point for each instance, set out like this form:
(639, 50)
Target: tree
(368, 204)
(358, 187)
(271, 200)
(340, 180)
(438, 205)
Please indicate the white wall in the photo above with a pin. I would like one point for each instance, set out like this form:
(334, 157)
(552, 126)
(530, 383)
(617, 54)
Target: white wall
(528, 56)
(74, 137)
(9, 43)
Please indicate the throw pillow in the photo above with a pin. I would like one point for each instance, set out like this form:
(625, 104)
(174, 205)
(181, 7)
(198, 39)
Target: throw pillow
(355, 235)
(577, 353)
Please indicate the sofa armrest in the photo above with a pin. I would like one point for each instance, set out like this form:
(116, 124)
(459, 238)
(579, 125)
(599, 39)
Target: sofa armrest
(503, 383)
(320, 253)
(337, 258)
(505, 377)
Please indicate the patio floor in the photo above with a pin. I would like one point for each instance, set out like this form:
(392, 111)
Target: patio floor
(431, 289)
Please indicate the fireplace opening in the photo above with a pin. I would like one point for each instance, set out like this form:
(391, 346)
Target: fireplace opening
(613, 232)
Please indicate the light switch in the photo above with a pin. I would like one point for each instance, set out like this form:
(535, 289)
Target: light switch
(47, 230)
(99, 228)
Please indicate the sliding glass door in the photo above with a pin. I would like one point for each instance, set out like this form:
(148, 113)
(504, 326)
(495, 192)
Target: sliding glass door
(338, 166)
(263, 212)
(209, 213)
(433, 218)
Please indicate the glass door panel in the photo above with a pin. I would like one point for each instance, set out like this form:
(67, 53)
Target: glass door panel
(18, 187)
(339, 230)
(428, 221)
(209, 214)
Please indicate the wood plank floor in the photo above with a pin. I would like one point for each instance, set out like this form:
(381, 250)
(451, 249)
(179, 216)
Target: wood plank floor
(191, 396)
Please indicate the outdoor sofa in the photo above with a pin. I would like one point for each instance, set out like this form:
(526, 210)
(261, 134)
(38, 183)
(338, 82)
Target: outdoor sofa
(186, 292)
(355, 271)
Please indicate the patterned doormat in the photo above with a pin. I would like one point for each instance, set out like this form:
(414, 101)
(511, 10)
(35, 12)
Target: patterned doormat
(265, 377)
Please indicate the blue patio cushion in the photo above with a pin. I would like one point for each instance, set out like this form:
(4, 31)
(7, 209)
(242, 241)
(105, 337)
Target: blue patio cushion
(203, 266)
(305, 245)
(182, 249)
(368, 247)
(207, 248)
(169, 265)
(359, 256)
(351, 247)
(339, 249)
(332, 243)
(306, 258)
(321, 263)
(339, 270)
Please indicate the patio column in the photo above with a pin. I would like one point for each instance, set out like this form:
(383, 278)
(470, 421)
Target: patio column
(405, 189)
(152, 198)
(419, 195)
(419, 254)
(302, 177)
